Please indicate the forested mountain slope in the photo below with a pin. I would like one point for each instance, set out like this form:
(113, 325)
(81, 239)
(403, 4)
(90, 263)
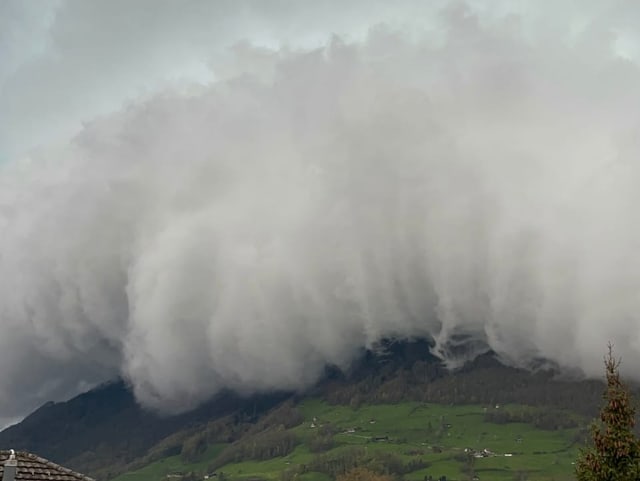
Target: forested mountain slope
(104, 431)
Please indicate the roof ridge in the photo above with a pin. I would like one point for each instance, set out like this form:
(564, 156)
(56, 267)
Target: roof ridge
(45, 462)
(51, 464)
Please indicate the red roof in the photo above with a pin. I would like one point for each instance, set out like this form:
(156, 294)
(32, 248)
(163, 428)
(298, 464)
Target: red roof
(35, 468)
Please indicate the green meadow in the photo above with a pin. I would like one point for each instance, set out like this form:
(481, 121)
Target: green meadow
(438, 440)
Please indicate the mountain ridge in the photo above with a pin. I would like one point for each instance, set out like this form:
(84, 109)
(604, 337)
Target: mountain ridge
(104, 431)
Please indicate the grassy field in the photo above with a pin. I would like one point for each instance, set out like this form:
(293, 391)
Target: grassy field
(171, 465)
(443, 436)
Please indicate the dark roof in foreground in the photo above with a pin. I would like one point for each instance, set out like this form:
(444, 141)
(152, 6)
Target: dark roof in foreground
(35, 468)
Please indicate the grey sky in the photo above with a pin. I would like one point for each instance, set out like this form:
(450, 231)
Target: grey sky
(211, 197)
(66, 61)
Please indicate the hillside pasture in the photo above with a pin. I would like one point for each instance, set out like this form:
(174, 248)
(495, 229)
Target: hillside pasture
(456, 441)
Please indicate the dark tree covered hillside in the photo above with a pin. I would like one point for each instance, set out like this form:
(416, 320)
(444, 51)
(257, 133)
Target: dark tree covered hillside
(107, 429)
(104, 432)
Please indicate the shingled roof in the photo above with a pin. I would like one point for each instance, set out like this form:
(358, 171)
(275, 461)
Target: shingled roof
(35, 468)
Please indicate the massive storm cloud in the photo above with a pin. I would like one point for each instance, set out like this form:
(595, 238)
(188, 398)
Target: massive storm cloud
(478, 175)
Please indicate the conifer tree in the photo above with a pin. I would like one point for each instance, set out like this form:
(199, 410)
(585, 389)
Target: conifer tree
(614, 454)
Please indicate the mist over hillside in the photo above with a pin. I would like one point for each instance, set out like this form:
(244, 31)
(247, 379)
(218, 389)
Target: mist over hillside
(472, 179)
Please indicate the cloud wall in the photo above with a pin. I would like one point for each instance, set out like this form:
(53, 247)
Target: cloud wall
(478, 177)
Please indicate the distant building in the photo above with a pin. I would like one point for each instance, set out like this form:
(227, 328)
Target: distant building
(24, 466)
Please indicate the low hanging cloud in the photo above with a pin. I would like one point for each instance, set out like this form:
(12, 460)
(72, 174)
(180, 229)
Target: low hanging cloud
(478, 181)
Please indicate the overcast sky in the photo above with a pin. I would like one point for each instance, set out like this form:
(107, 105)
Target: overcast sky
(243, 191)
(66, 61)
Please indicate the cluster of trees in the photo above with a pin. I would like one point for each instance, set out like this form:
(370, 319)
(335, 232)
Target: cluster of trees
(485, 383)
(363, 474)
(258, 447)
(193, 448)
(267, 433)
(551, 419)
(322, 439)
(356, 463)
(335, 464)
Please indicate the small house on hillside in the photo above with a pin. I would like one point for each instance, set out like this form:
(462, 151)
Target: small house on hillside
(24, 466)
